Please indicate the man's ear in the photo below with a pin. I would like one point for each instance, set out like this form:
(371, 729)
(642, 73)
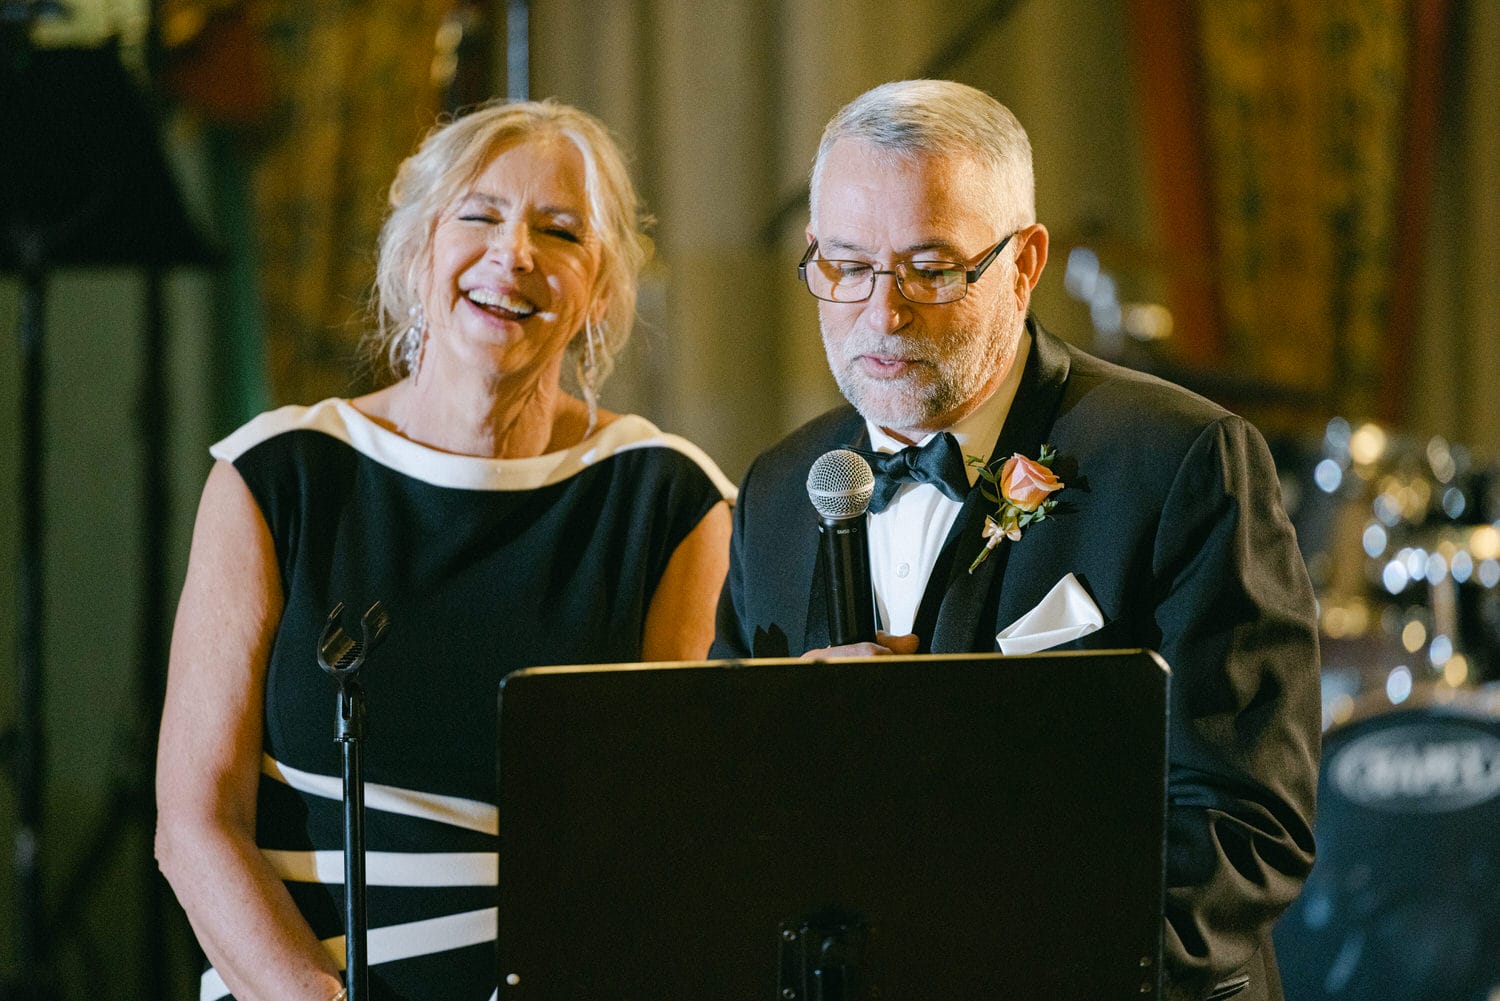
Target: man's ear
(1031, 258)
(809, 232)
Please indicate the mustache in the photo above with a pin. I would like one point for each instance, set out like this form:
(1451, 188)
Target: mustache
(884, 347)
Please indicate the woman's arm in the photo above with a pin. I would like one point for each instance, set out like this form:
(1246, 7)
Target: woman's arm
(208, 760)
(680, 621)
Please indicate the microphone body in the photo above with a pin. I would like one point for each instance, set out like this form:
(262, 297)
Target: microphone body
(851, 602)
(840, 485)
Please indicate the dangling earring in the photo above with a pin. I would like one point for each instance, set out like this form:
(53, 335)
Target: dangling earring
(414, 342)
(588, 371)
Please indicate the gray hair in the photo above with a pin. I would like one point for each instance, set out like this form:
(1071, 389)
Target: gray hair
(441, 171)
(940, 118)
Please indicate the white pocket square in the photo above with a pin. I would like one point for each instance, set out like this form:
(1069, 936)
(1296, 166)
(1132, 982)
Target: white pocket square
(1065, 614)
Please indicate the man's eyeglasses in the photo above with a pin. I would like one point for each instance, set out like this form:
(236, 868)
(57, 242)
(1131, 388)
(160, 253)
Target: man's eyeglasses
(918, 281)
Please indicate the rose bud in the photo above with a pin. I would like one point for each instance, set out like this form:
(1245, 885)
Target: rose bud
(1026, 483)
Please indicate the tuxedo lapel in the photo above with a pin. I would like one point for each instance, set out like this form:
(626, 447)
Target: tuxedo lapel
(967, 603)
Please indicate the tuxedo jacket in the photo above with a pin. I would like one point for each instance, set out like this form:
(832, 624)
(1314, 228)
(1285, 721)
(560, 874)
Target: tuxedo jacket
(1171, 518)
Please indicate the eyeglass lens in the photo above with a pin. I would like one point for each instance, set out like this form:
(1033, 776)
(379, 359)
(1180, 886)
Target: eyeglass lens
(854, 281)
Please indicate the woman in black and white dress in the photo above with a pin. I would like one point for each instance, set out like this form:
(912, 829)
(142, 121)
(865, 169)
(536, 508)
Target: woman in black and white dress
(502, 521)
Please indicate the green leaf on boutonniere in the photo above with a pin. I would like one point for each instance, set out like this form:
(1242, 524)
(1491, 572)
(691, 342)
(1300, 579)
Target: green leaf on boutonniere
(1021, 495)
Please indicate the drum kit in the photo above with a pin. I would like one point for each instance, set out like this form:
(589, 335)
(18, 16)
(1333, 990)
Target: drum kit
(1403, 903)
(1402, 540)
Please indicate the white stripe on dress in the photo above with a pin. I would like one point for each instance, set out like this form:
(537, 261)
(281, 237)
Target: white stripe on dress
(389, 868)
(395, 942)
(469, 814)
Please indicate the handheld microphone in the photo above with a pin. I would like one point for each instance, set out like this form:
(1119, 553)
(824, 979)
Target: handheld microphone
(840, 485)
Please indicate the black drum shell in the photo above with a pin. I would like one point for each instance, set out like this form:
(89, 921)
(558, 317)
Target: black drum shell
(1403, 903)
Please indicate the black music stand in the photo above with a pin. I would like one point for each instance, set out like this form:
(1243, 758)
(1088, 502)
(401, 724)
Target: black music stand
(924, 827)
(83, 183)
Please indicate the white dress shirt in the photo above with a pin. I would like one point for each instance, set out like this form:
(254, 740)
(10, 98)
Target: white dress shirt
(908, 534)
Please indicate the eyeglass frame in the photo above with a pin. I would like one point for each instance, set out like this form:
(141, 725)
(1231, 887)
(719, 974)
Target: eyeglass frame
(971, 275)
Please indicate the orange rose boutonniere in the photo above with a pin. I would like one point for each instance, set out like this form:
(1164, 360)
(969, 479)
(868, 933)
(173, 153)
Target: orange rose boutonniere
(1022, 491)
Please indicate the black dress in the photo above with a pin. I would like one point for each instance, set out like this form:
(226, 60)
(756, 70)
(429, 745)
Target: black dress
(485, 566)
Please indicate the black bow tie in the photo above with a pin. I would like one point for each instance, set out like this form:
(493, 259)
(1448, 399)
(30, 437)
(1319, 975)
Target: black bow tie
(940, 462)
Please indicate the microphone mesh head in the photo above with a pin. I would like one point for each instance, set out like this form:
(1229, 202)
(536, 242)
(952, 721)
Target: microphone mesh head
(840, 484)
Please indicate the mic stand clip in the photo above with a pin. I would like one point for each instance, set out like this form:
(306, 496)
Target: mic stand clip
(823, 957)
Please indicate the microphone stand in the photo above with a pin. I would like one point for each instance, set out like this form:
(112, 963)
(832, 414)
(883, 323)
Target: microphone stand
(342, 656)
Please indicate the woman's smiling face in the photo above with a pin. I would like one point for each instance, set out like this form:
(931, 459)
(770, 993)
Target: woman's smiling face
(514, 264)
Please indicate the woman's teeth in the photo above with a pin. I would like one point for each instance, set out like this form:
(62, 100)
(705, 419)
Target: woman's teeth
(502, 302)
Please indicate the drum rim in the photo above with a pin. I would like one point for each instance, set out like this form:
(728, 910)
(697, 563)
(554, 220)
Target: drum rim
(1472, 701)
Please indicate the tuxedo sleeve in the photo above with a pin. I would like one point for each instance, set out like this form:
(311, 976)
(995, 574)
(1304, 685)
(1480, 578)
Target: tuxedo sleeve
(1235, 612)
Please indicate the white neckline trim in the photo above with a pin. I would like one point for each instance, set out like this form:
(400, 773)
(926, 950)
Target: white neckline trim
(339, 419)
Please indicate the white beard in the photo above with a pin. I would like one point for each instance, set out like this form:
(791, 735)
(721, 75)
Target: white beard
(953, 373)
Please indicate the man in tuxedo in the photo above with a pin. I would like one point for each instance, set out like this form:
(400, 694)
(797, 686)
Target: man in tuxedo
(923, 250)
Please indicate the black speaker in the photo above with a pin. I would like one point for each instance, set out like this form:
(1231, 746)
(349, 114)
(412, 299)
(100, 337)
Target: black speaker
(1403, 903)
